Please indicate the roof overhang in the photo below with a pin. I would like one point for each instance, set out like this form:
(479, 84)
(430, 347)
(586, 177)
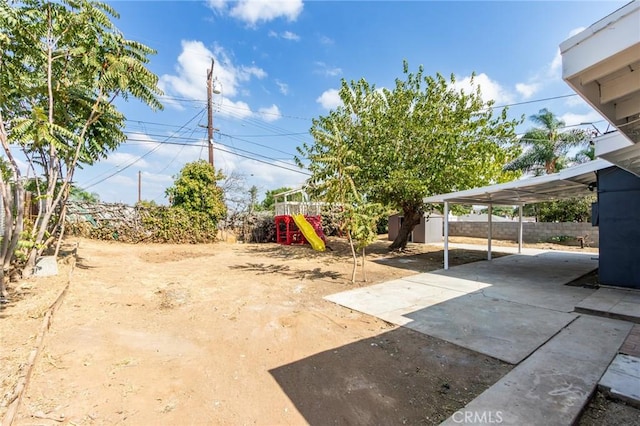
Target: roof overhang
(619, 150)
(572, 182)
(602, 64)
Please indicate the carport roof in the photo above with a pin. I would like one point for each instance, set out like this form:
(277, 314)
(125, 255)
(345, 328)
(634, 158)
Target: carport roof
(571, 182)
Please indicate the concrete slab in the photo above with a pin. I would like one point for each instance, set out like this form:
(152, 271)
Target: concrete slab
(552, 386)
(392, 295)
(550, 268)
(46, 266)
(498, 328)
(613, 303)
(507, 319)
(622, 379)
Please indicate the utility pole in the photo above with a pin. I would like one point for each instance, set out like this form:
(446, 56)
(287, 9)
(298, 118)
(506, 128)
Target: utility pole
(139, 186)
(210, 111)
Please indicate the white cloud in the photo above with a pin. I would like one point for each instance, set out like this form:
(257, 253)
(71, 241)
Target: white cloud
(489, 89)
(574, 101)
(555, 67)
(265, 175)
(191, 72)
(191, 75)
(157, 178)
(327, 70)
(217, 4)
(176, 154)
(550, 74)
(330, 99)
(246, 73)
(571, 119)
(527, 90)
(121, 180)
(288, 35)
(229, 108)
(271, 113)
(122, 159)
(283, 87)
(326, 40)
(255, 11)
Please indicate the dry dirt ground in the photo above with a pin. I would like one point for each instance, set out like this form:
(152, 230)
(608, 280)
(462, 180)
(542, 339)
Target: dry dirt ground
(227, 334)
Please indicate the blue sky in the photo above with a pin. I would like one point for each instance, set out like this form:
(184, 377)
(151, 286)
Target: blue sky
(278, 64)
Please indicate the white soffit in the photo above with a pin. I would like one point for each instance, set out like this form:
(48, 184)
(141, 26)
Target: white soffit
(602, 64)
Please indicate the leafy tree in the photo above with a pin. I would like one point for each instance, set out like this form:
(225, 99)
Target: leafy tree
(502, 211)
(585, 154)
(79, 194)
(195, 190)
(269, 201)
(337, 185)
(570, 210)
(419, 138)
(62, 65)
(547, 145)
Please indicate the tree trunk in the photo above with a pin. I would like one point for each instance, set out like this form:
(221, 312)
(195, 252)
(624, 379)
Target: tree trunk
(364, 272)
(411, 219)
(355, 258)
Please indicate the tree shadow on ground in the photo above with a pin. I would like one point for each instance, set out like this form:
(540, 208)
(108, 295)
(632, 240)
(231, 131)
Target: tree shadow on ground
(415, 257)
(81, 263)
(263, 269)
(397, 377)
(431, 261)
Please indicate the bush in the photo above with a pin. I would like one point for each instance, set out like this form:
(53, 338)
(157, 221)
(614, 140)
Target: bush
(147, 222)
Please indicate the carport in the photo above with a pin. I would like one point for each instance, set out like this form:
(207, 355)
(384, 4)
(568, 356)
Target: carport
(575, 181)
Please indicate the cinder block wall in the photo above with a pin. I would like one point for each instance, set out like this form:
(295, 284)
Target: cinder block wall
(532, 232)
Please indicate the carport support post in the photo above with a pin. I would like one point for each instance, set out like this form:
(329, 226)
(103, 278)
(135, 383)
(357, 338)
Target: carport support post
(490, 232)
(446, 235)
(520, 229)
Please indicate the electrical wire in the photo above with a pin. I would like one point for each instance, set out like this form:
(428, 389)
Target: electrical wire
(134, 161)
(232, 152)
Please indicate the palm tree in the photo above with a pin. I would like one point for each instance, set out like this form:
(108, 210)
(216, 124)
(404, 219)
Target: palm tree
(547, 145)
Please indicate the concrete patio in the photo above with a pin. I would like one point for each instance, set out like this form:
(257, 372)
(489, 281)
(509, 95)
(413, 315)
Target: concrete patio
(505, 308)
(517, 309)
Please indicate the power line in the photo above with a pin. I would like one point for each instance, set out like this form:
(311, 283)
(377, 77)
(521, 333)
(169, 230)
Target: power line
(553, 98)
(223, 134)
(139, 158)
(234, 153)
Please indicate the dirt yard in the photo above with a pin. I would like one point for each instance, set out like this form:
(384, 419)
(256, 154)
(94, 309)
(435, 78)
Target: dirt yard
(227, 334)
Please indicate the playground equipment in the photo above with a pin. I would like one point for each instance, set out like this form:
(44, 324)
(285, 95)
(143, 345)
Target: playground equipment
(298, 222)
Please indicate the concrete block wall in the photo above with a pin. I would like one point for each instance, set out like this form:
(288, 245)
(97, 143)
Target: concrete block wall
(532, 232)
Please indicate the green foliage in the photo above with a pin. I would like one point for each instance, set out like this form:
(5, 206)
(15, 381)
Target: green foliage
(90, 63)
(570, 210)
(502, 211)
(148, 223)
(360, 221)
(63, 64)
(548, 146)
(78, 194)
(177, 225)
(26, 242)
(269, 200)
(399, 145)
(195, 190)
(147, 204)
(5, 169)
